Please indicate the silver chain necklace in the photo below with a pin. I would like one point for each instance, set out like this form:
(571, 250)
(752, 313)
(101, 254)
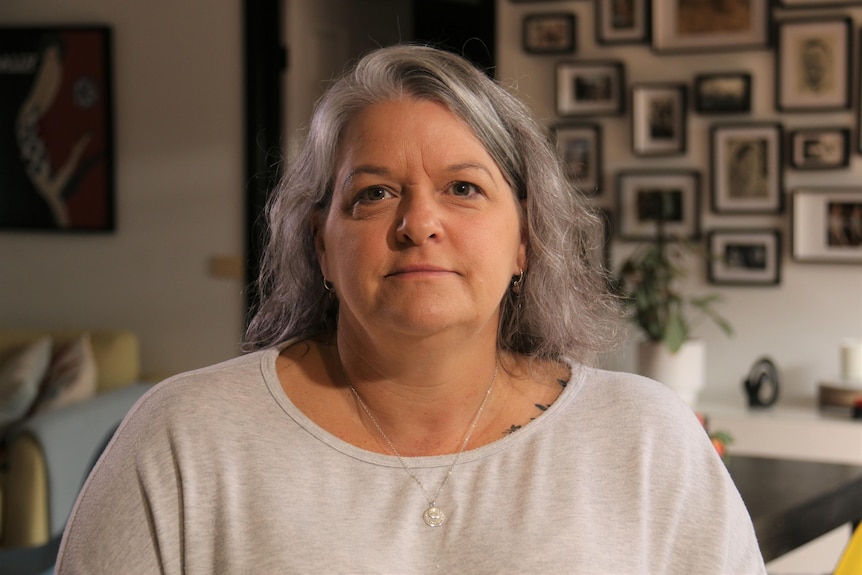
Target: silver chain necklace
(434, 515)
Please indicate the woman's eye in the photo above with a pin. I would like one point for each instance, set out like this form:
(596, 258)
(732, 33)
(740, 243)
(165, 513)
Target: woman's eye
(464, 189)
(372, 194)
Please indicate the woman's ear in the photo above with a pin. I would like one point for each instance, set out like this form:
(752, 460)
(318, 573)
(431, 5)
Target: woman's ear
(525, 238)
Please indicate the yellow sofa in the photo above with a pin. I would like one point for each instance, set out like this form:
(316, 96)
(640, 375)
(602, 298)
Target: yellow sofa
(48, 456)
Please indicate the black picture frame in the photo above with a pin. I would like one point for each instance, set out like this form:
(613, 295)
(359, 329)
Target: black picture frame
(549, 33)
(659, 119)
(649, 200)
(590, 88)
(622, 21)
(57, 154)
(747, 167)
(744, 257)
(819, 148)
(722, 93)
(580, 148)
(826, 225)
(813, 64)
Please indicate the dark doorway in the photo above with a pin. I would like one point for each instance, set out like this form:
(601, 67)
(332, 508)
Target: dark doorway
(463, 26)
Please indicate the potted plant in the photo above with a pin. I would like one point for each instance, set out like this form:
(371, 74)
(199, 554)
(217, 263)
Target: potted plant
(648, 281)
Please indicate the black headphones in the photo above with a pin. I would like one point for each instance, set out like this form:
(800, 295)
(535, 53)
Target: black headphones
(762, 383)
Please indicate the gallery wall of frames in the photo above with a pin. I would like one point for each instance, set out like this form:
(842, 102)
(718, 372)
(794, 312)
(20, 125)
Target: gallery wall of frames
(714, 107)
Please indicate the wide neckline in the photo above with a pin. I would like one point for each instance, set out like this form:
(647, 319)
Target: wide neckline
(268, 360)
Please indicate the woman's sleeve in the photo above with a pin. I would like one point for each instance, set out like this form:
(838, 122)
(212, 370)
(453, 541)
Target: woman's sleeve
(127, 516)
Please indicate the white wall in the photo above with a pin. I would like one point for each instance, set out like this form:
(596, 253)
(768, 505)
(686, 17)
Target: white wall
(179, 188)
(800, 323)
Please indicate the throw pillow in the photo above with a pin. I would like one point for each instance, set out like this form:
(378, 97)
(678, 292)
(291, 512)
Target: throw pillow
(71, 376)
(20, 376)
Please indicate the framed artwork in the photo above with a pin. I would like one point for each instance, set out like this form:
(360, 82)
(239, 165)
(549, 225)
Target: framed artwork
(818, 3)
(658, 119)
(549, 33)
(812, 66)
(859, 106)
(590, 88)
(747, 168)
(622, 21)
(56, 131)
(658, 202)
(744, 257)
(722, 93)
(819, 148)
(685, 26)
(827, 225)
(580, 149)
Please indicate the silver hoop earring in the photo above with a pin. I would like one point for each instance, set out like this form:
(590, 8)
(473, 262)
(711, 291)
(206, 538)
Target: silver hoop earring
(517, 283)
(329, 287)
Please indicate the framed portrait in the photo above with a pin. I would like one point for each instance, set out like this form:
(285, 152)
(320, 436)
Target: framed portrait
(580, 149)
(658, 119)
(549, 33)
(622, 21)
(653, 203)
(827, 225)
(56, 109)
(686, 26)
(744, 257)
(747, 171)
(590, 88)
(722, 93)
(812, 66)
(819, 148)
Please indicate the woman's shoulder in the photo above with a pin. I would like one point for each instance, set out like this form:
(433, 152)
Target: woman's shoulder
(631, 402)
(233, 382)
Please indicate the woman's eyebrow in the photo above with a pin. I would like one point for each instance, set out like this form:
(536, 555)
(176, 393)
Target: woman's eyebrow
(364, 169)
(375, 170)
(470, 166)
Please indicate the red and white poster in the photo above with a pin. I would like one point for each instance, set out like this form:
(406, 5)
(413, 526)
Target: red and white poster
(56, 133)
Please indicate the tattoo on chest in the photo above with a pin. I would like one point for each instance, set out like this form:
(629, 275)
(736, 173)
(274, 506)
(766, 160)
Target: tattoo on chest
(541, 407)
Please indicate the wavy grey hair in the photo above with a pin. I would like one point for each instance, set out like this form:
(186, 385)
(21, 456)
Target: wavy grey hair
(563, 307)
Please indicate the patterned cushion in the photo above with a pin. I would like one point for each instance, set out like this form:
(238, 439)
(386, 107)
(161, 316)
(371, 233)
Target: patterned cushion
(71, 377)
(21, 372)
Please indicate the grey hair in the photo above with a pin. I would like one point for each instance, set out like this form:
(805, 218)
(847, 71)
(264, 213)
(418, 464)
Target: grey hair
(563, 307)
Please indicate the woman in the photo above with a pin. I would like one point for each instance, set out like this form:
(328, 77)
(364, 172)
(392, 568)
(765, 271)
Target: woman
(417, 397)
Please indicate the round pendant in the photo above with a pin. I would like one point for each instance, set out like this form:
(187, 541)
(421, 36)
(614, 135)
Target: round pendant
(434, 516)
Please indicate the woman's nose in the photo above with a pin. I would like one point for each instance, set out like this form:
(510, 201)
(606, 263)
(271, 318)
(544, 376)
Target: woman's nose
(419, 219)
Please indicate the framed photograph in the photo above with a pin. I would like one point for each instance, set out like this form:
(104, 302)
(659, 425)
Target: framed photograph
(658, 202)
(744, 257)
(56, 109)
(580, 148)
(818, 3)
(812, 65)
(686, 26)
(819, 148)
(658, 119)
(747, 171)
(622, 21)
(827, 225)
(722, 93)
(590, 88)
(549, 33)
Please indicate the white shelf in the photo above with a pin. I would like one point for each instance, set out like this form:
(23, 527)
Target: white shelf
(794, 431)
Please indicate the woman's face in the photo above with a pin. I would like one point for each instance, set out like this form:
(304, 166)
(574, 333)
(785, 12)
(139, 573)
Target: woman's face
(423, 234)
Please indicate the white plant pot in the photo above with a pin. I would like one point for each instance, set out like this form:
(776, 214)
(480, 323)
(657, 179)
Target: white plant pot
(683, 371)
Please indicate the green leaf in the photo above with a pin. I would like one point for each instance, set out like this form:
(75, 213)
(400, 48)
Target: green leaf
(676, 332)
